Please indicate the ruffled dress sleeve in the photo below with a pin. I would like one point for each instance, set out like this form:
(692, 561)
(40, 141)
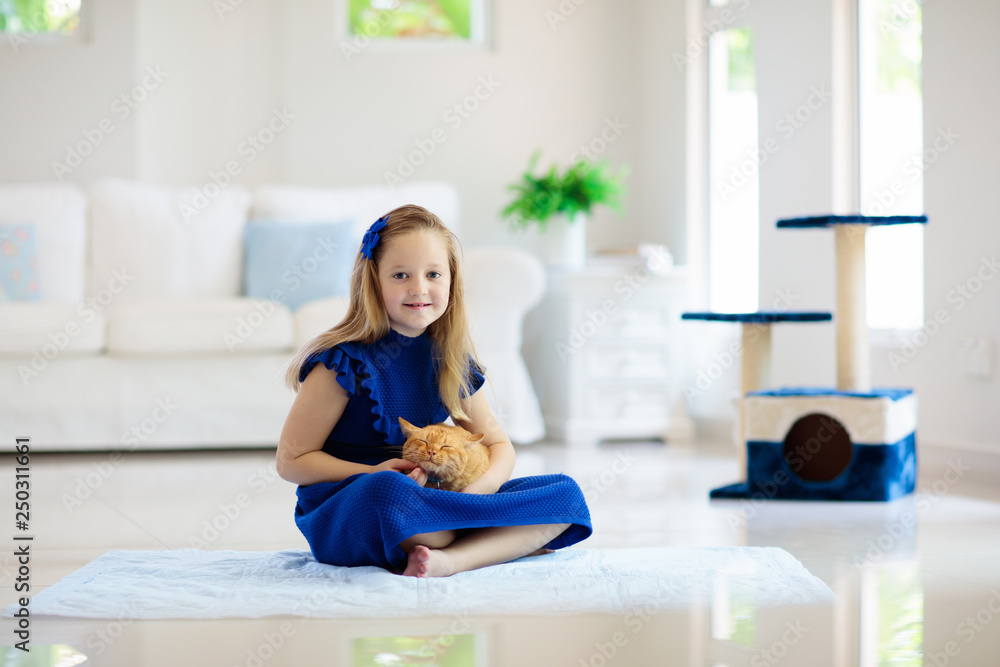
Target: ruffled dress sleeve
(340, 359)
(477, 378)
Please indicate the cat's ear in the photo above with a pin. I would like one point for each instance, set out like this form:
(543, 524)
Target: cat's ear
(478, 437)
(407, 427)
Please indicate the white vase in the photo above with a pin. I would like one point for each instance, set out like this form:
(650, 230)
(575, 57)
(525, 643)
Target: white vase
(563, 243)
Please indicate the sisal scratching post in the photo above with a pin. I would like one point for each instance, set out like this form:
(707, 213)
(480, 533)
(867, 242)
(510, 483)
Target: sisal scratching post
(853, 352)
(755, 374)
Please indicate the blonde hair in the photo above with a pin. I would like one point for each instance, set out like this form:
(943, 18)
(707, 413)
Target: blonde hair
(366, 320)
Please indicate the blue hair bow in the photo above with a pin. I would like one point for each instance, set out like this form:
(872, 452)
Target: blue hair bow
(372, 238)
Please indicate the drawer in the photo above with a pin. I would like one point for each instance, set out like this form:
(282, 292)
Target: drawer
(633, 321)
(638, 360)
(626, 401)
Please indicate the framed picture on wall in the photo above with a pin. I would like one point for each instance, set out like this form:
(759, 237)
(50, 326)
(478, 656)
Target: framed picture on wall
(23, 22)
(412, 25)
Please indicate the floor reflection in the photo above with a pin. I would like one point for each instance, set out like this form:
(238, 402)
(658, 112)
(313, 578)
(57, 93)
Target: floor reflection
(917, 581)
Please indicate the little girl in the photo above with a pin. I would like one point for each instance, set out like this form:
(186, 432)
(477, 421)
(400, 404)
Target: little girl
(403, 350)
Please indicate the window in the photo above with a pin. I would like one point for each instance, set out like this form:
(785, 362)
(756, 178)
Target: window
(734, 168)
(892, 158)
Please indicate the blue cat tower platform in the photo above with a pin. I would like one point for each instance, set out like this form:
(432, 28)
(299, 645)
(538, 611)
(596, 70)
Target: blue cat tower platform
(832, 220)
(851, 442)
(762, 316)
(756, 339)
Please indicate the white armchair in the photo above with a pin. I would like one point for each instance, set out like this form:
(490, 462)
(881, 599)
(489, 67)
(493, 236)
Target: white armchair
(502, 285)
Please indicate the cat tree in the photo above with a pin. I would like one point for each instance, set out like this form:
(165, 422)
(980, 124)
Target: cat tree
(851, 442)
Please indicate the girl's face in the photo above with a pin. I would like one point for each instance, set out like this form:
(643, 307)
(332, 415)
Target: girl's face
(415, 281)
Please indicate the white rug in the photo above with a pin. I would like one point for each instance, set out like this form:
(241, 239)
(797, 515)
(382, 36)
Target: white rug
(190, 583)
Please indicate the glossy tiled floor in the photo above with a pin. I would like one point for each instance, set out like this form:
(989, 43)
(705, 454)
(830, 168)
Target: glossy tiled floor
(917, 580)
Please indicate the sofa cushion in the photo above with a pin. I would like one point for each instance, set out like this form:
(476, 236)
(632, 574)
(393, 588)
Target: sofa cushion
(199, 326)
(59, 216)
(364, 205)
(19, 264)
(298, 262)
(167, 243)
(50, 329)
(316, 317)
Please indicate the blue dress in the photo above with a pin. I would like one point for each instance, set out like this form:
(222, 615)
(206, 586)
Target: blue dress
(363, 519)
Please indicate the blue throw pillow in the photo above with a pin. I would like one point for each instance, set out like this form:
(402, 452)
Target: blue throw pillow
(19, 263)
(294, 262)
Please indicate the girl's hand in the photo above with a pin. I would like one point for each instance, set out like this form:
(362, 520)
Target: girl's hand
(399, 465)
(418, 475)
(408, 468)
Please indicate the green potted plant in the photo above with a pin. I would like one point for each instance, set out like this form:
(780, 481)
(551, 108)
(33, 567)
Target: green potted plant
(557, 203)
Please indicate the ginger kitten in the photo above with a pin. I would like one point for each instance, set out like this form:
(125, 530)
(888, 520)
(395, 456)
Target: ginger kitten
(452, 457)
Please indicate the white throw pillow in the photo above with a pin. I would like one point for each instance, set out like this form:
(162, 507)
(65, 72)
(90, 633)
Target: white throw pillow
(154, 242)
(58, 213)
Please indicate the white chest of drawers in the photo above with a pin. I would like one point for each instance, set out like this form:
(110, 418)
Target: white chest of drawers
(603, 355)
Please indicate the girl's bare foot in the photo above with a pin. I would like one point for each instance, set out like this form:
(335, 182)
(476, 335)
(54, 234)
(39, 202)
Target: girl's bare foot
(540, 552)
(424, 562)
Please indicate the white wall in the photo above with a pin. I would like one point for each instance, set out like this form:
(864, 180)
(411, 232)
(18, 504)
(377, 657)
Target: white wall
(224, 80)
(961, 92)
(558, 77)
(554, 90)
(659, 180)
(794, 60)
(57, 94)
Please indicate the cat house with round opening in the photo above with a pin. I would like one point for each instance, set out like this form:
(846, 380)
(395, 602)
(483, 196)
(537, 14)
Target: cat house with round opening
(824, 444)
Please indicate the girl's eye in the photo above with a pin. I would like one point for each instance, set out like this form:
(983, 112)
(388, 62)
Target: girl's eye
(399, 276)
(433, 274)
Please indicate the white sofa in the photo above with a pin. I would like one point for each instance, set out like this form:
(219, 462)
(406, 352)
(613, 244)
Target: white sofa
(144, 339)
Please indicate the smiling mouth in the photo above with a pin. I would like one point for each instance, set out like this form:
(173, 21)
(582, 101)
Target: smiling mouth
(416, 305)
